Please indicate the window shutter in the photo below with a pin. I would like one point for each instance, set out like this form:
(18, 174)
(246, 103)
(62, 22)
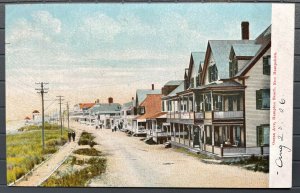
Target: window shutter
(266, 65)
(258, 99)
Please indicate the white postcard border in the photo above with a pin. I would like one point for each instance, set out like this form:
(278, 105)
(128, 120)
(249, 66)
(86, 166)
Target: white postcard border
(281, 99)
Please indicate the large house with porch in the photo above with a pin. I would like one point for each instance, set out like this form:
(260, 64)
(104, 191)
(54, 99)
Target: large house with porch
(225, 109)
(138, 123)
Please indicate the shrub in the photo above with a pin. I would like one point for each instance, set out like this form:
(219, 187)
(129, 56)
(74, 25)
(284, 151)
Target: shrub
(81, 177)
(88, 152)
(92, 143)
(86, 138)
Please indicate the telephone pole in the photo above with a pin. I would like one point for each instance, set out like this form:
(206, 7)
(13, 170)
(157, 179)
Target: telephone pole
(42, 90)
(68, 115)
(60, 117)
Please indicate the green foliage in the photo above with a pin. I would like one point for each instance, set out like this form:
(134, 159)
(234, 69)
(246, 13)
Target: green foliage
(86, 139)
(88, 152)
(255, 163)
(79, 178)
(48, 126)
(24, 150)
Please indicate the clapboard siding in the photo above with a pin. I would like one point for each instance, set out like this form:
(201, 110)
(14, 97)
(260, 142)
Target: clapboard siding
(253, 116)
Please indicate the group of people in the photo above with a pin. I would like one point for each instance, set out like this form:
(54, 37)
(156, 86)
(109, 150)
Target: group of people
(117, 126)
(71, 135)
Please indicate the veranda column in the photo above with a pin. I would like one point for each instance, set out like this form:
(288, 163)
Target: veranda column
(213, 138)
(204, 138)
(189, 130)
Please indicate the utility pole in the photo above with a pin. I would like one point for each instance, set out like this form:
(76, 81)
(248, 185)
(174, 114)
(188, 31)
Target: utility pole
(42, 90)
(60, 117)
(68, 115)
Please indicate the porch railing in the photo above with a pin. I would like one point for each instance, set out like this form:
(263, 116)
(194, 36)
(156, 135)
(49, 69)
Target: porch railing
(199, 115)
(228, 114)
(180, 115)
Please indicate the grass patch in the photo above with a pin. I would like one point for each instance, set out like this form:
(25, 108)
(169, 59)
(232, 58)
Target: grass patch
(186, 151)
(88, 152)
(48, 126)
(254, 163)
(24, 150)
(96, 167)
(86, 139)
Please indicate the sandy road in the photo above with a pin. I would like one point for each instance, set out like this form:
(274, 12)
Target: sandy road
(132, 163)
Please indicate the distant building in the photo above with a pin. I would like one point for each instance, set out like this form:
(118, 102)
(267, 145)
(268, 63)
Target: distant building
(105, 115)
(147, 112)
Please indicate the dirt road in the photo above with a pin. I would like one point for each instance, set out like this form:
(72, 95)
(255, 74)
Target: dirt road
(132, 163)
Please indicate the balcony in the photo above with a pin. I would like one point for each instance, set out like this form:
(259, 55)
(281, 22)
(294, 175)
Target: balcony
(180, 115)
(228, 115)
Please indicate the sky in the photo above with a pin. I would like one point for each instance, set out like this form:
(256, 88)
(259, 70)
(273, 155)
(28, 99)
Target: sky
(95, 51)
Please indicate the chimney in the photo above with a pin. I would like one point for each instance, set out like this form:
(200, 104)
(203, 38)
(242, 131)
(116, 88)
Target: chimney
(245, 30)
(110, 100)
(152, 86)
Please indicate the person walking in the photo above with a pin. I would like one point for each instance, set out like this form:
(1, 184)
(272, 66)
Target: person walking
(73, 135)
(69, 136)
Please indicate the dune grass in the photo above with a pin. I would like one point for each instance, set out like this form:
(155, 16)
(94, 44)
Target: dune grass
(48, 126)
(86, 139)
(88, 152)
(24, 150)
(79, 178)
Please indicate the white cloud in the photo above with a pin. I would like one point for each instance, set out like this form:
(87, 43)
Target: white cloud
(45, 21)
(100, 27)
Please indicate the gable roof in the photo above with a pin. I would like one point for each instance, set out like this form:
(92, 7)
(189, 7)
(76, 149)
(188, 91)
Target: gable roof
(141, 94)
(220, 49)
(152, 104)
(198, 58)
(128, 104)
(174, 83)
(86, 105)
(178, 89)
(244, 49)
(102, 108)
(249, 65)
(264, 39)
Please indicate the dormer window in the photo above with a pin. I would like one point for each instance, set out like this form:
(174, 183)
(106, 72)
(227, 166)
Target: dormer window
(212, 73)
(233, 68)
(141, 110)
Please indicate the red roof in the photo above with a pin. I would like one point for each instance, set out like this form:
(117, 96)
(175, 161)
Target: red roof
(27, 118)
(35, 111)
(86, 105)
(152, 105)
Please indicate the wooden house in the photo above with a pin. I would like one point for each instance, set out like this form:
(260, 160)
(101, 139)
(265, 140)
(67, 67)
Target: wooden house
(227, 112)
